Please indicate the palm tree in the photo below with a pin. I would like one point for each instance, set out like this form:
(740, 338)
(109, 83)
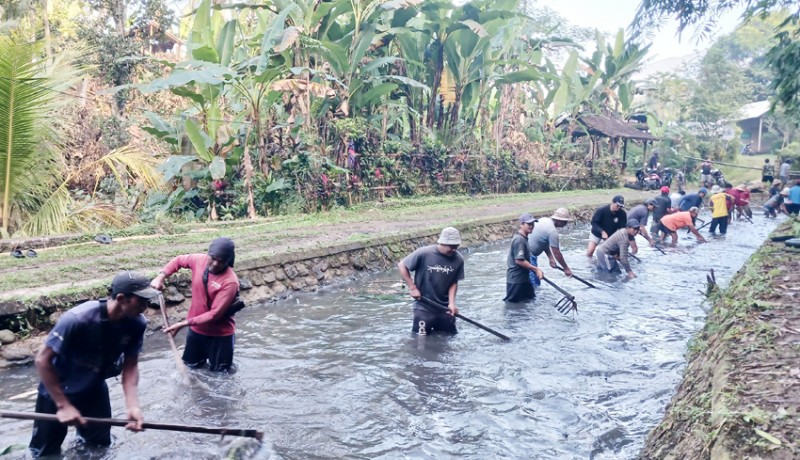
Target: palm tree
(34, 180)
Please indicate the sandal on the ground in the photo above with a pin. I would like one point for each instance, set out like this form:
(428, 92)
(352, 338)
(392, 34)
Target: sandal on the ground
(103, 239)
(17, 253)
(31, 253)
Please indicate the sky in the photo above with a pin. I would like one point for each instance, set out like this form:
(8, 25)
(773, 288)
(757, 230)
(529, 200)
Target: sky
(610, 15)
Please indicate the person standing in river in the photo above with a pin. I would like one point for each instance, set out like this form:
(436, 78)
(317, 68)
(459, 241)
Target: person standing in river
(518, 284)
(670, 224)
(212, 328)
(90, 343)
(662, 207)
(616, 248)
(641, 213)
(606, 220)
(437, 270)
(544, 238)
(693, 199)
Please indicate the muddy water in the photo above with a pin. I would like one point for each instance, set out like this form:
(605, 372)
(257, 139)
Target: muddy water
(336, 374)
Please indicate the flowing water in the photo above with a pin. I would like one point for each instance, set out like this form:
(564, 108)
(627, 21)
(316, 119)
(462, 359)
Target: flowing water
(336, 374)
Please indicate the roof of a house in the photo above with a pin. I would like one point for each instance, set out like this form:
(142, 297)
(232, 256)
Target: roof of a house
(752, 110)
(611, 127)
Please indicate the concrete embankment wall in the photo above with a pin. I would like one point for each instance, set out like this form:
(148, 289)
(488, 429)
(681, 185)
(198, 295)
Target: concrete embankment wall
(740, 394)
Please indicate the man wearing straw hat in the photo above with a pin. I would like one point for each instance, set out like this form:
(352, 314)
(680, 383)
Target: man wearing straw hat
(90, 343)
(544, 238)
(437, 270)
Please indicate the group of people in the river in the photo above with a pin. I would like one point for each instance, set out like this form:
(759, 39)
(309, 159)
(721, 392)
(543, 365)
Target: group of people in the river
(100, 339)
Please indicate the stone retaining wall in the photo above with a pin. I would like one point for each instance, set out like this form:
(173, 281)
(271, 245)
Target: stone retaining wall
(274, 278)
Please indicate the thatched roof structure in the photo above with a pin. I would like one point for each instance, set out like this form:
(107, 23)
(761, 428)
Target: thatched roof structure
(600, 125)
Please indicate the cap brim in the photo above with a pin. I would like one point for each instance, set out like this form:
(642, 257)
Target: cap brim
(147, 293)
(531, 221)
(563, 219)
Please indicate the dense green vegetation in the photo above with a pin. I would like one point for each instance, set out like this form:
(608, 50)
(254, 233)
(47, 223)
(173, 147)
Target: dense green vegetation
(256, 109)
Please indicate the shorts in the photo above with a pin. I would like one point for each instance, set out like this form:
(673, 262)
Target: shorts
(48, 436)
(793, 208)
(767, 179)
(434, 322)
(519, 292)
(535, 281)
(595, 239)
(607, 263)
(217, 351)
(663, 228)
(706, 178)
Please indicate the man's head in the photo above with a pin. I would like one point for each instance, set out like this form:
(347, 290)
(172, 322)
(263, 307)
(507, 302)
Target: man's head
(651, 204)
(617, 203)
(681, 192)
(561, 217)
(526, 222)
(132, 292)
(766, 160)
(449, 240)
(665, 190)
(221, 255)
(797, 182)
(694, 210)
(715, 189)
(776, 182)
(704, 191)
(785, 191)
(633, 226)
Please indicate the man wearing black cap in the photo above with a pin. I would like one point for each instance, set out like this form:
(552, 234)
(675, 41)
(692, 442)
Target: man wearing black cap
(613, 253)
(605, 221)
(518, 285)
(90, 343)
(214, 287)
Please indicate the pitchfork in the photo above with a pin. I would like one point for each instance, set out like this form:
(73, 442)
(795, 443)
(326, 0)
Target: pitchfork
(567, 303)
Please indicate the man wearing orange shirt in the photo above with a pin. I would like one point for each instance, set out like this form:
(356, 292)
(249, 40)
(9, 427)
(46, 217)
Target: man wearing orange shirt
(671, 223)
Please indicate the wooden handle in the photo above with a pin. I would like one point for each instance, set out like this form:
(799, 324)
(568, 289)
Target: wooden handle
(247, 433)
(175, 354)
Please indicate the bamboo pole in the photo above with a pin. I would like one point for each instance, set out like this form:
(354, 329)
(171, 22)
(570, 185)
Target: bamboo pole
(721, 163)
(247, 433)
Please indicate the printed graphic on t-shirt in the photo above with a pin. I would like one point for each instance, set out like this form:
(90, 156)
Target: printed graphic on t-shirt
(440, 269)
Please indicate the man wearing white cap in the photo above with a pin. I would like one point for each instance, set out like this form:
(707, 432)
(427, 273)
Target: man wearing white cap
(544, 238)
(437, 270)
(518, 284)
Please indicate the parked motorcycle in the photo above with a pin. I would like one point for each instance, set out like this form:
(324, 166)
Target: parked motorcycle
(719, 178)
(666, 175)
(648, 181)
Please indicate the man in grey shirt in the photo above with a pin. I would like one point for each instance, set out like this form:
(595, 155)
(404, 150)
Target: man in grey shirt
(518, 285)
(615, 248)
(544, 238)
(437, 270)
(641, 213)
(784, 171)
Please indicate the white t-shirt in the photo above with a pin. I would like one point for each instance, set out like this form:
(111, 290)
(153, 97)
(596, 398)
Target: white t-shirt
(676, 199)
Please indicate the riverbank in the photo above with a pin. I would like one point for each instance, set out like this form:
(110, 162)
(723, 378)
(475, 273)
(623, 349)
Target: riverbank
(275, 257)
(741, 389)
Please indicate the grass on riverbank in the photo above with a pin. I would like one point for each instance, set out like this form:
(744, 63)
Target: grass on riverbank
(148, 246)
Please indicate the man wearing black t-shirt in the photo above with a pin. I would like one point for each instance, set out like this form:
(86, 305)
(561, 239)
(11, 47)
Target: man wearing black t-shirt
(518, 284)
(437, 270)
(605, 222)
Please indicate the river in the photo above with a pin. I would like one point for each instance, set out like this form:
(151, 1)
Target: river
(336, 374)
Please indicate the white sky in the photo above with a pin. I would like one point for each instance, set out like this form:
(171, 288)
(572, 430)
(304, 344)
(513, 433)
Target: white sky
(610, 15)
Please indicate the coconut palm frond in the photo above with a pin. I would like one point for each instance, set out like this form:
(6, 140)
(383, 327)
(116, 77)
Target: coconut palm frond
(51, 215)
(24, 100)
(92, 216)
(129, 162)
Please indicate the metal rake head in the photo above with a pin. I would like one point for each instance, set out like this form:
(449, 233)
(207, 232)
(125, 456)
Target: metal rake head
(566, 305)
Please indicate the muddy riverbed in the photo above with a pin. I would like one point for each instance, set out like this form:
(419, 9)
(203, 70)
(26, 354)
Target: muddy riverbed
(336, 374)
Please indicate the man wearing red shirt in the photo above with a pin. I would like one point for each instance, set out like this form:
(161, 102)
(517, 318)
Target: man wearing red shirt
(214, 286)
(741, 202)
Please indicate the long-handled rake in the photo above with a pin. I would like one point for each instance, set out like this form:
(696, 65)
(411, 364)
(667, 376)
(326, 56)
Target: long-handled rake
(567, 303)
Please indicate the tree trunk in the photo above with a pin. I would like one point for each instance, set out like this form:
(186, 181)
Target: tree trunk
(46, 20)
(437, 81)
(248, 174)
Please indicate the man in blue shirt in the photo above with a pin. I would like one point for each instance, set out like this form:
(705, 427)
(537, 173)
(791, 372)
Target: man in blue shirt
(794, 197)
(693, 200)
(89, 343)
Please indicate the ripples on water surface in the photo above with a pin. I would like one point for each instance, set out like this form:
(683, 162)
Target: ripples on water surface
(336, 374)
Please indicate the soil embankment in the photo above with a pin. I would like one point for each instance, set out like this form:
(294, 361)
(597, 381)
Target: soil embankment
(275, 256)
(740, 395)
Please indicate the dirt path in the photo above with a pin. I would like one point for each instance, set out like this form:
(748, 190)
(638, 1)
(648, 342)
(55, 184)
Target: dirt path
(89, 264)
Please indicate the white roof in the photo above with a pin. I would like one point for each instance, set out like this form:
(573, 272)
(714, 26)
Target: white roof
(752, 110)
